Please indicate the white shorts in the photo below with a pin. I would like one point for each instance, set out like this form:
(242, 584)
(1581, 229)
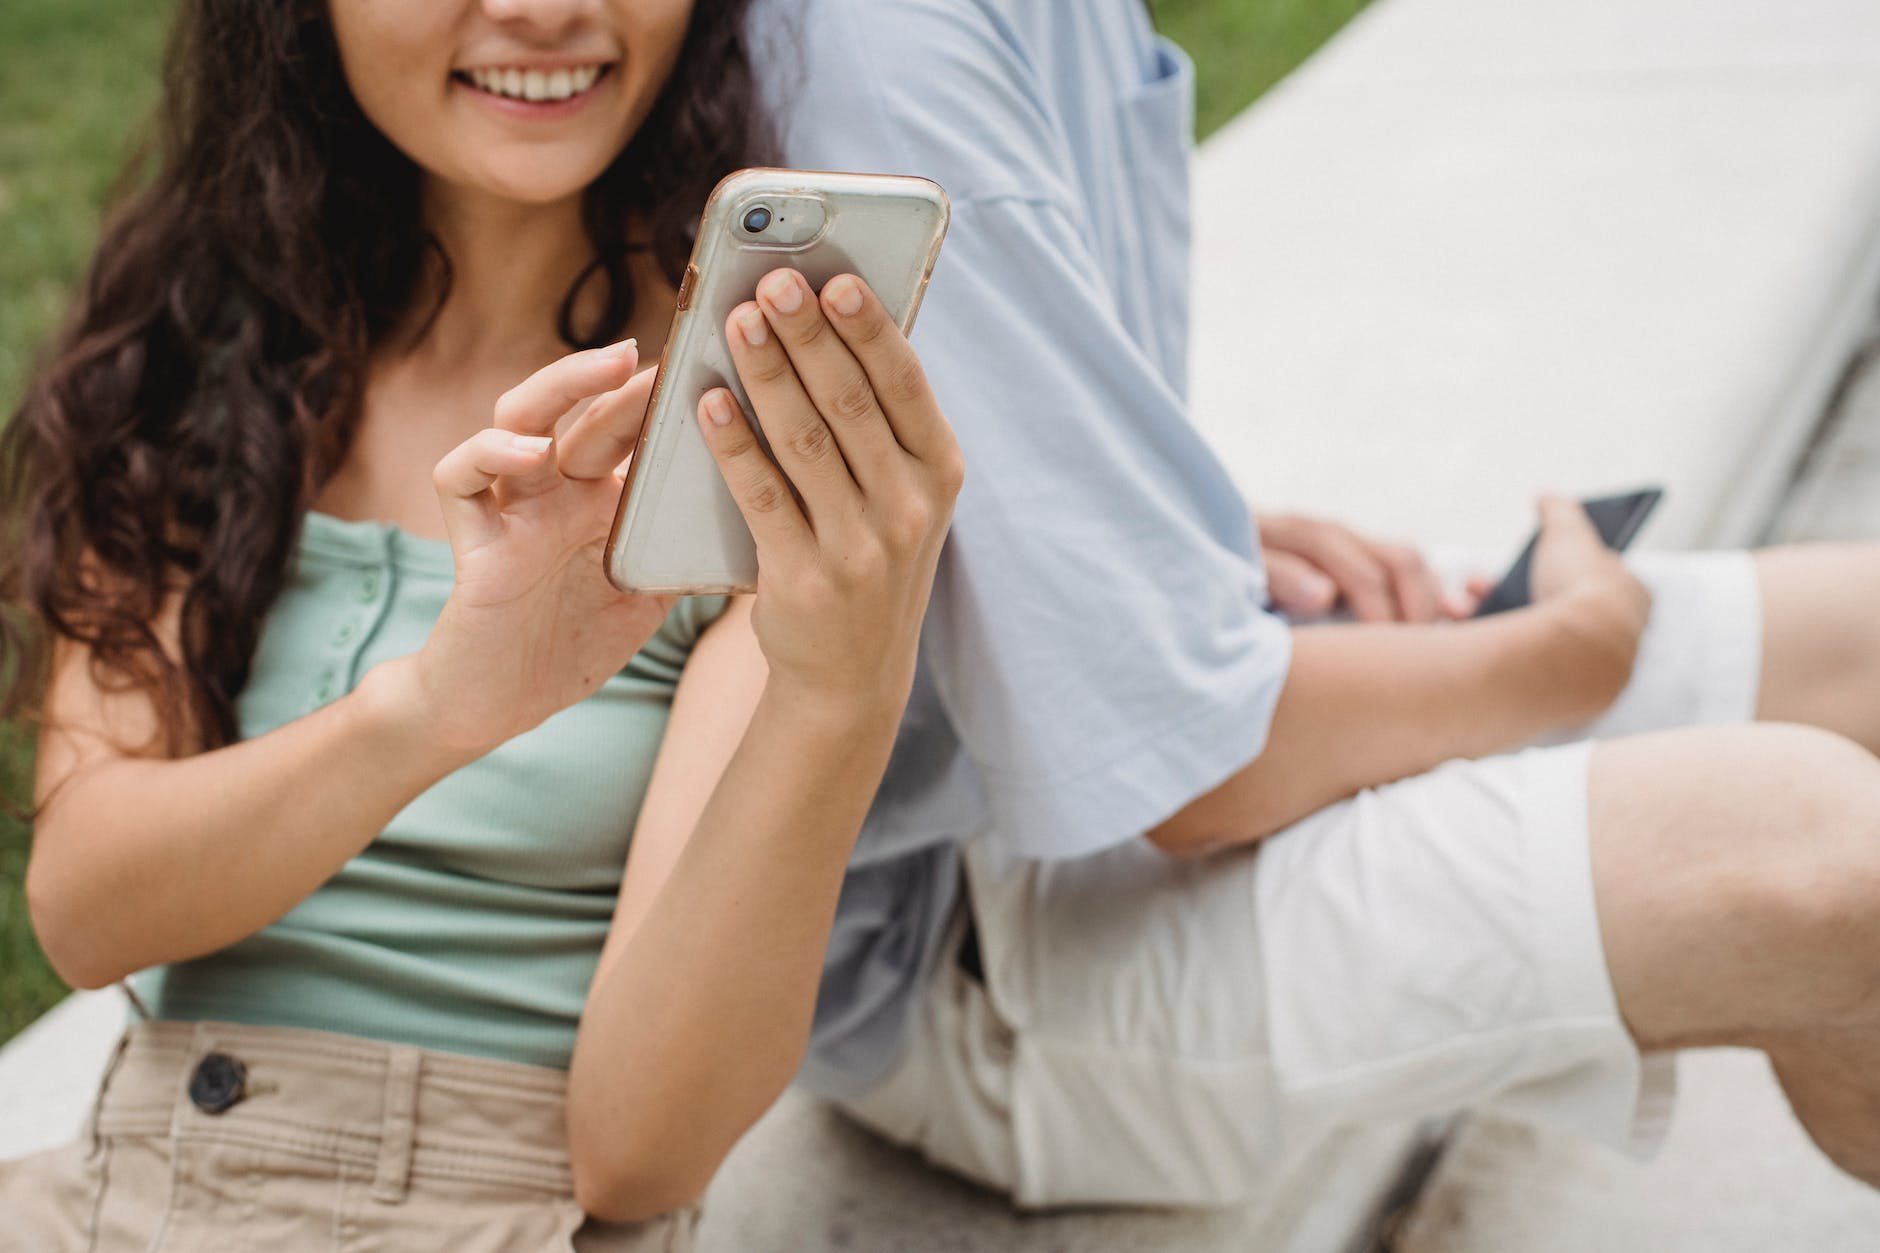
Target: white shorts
(1166, 1032)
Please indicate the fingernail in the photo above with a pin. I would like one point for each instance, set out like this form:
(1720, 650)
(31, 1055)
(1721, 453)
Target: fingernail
(531, 443)
(622, 348)
(751, 326)
(783, 292)
(845, 295)
(1319, 588)
(718, 408)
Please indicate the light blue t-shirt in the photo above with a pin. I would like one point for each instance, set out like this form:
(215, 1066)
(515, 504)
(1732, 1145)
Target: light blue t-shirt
(1098, 651)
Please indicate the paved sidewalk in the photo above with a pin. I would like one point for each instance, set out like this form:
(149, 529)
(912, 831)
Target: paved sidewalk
(1838, 494)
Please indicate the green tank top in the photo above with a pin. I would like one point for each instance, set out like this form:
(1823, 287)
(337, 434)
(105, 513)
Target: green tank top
(474, 922)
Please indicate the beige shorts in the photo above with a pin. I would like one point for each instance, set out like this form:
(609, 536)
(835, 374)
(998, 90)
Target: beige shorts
(1164, 1032)
(334, 1143)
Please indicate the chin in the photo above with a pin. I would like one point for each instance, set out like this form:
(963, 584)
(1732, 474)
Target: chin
(534, 179)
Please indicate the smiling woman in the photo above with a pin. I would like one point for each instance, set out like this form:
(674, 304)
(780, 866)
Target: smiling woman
(305, 515)
(476, 105)
(67, 96)
(288, 267)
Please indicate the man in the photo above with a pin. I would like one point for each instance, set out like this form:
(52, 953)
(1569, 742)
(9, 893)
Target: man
(1110, 718)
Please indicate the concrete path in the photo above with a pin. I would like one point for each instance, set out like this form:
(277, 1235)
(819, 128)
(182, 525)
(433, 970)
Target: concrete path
(1838, 494)
(1737, 1175)
(806, 1179)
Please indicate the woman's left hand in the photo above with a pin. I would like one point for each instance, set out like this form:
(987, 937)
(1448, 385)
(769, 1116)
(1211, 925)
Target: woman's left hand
(846, 562)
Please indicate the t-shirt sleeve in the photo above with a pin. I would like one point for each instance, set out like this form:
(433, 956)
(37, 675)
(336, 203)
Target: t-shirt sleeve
(1098, 636)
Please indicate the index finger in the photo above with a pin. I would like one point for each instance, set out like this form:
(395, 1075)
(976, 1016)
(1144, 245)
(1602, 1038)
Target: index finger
(1361, 577)
(893, 369)
(536, 404)
(1418, 593)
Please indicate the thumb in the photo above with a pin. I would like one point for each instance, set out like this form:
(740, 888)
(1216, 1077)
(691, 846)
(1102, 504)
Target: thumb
(1298, 587)
(1564, 519)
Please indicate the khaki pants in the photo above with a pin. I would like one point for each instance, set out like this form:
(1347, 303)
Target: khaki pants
(332, 1143)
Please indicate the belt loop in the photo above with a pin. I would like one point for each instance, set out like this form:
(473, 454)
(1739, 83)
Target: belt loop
(136, 1002)
(399, 1129)
(89, 1135)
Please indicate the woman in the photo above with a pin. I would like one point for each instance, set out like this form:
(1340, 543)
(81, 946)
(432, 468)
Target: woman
(352, 758)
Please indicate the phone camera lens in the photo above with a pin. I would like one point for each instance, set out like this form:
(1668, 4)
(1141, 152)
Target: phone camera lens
(757, 220)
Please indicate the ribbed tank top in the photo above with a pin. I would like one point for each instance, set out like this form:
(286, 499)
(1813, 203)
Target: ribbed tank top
(474, 921)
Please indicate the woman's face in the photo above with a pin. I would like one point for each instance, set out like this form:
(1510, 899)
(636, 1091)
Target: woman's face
(526, 99)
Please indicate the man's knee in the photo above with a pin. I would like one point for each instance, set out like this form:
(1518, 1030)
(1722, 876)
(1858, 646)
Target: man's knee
(1821, 878)
(1738, 872)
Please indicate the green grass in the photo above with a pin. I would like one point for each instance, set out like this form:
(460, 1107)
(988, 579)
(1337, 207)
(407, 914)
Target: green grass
(77, 78)
(1242, 47)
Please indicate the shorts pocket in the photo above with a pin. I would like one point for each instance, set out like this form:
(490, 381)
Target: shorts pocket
(676, 1232)
(456, 1216)
(48, 1199)
(205, 1196)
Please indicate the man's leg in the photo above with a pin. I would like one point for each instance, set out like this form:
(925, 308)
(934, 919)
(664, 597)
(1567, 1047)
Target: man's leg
(1737, 878)
(1821, 638)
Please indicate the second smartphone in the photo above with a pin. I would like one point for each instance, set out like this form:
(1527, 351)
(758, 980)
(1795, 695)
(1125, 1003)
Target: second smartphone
(1616, 518)
(677, 528)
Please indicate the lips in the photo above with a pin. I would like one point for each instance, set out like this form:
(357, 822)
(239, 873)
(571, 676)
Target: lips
(537, 86)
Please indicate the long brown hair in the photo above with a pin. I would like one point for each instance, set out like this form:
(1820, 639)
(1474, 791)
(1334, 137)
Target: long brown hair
(209, 378)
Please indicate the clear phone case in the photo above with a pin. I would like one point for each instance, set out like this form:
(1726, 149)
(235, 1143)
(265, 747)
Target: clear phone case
(677, 528)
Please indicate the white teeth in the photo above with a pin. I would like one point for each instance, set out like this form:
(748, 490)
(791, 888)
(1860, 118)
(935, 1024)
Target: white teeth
(536, 85)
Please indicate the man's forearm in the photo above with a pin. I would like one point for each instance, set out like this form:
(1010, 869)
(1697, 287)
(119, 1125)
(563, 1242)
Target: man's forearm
(1369, 704)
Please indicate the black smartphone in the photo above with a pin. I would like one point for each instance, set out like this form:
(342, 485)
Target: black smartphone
(1616, 518)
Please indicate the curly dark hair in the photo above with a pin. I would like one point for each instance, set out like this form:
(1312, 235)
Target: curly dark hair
(209, 378)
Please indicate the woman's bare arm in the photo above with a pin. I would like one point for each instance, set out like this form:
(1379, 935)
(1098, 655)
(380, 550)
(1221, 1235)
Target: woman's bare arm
(138, 860)
(700, 1009)
(701, 1006)
(712, 706)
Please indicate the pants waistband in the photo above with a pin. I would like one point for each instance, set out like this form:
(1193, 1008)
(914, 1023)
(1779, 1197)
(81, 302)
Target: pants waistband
(394, 1109)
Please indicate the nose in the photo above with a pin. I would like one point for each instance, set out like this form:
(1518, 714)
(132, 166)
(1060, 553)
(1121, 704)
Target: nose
(546, 15)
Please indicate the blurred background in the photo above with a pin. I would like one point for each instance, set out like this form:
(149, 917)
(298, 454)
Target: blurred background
(77, 80)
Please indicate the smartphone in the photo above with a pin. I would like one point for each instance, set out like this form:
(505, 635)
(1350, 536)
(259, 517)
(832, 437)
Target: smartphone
(1616, 518)
(677, 528)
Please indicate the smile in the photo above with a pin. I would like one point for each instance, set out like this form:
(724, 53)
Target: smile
(536, 86)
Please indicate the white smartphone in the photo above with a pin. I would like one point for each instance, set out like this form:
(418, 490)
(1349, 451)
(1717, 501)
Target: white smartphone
(677, 528)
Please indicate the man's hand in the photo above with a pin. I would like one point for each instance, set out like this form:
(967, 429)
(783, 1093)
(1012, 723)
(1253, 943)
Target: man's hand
(1593, 595)
(1313, 566)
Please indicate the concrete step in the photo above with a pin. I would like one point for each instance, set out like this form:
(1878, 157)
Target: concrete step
(1737, 1175)
(1474, 249)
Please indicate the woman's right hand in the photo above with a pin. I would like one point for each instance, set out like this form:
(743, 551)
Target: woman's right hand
(532, 624)
(846, 563)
